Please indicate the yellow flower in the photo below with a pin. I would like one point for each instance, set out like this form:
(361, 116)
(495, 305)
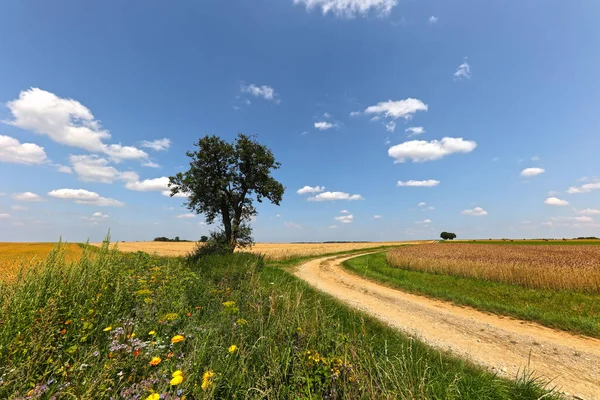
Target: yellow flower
(155, 361)
(152, 333)
(233, 349)
(153, 396)
(207, 379)
(176, 380)
(108, 328)
(242, 322)
(132, 336)
(177, 339)
(177, 373)
(229, 303)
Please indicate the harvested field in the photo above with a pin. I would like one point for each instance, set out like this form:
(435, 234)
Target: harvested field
(12, 255)
(553, 267)
(273, 251)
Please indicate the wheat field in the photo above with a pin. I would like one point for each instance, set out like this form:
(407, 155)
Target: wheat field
(13, 255)
(273, 251)
(556, 267)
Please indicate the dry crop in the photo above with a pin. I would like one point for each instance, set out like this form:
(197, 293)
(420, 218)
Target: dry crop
(534, 266)
(273, 251)
(14, 255)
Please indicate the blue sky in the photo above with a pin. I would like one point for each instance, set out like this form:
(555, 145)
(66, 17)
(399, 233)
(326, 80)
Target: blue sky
(486, 112)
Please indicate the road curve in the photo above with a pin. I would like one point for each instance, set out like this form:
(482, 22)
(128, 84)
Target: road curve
(501, 344)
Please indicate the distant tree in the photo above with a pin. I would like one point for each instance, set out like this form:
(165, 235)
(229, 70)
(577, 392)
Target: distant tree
(448, 235)
(204, 239)
(223, 181)
(177, 238)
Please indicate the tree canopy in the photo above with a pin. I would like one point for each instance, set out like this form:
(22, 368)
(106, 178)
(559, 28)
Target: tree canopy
(224, 180)
(448, 235)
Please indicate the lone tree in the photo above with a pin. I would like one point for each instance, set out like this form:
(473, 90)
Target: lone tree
(448, 235)
(223, 181)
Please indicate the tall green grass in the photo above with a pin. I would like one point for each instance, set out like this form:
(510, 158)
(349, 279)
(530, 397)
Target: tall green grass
(89, 330)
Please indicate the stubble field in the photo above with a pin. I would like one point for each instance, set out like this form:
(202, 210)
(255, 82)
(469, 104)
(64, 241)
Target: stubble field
(13, 255)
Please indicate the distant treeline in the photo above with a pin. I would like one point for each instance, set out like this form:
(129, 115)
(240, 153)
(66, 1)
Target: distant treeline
(346, 241)
(166, 239)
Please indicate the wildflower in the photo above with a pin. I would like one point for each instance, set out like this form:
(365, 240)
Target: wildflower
(177, 378)
(62, 332)
(229, 303)
(155, 361)
(107, 329)
(197, 307)
(171, 316)
(177, 339)
(207, 379)
(171, 354)
(152, 333)
(300, 330)
(68, 321)
(232, 349)
(189, 314)
(153, 396)
(136, 352)
(242, 322)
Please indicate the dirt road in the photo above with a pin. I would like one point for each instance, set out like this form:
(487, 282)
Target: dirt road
(503, 345)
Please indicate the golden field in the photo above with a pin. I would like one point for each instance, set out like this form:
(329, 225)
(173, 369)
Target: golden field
(557, 267)
(273, 251)
(13, 254)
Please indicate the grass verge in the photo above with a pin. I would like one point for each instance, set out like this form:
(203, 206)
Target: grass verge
(566, 310)
(134, 326)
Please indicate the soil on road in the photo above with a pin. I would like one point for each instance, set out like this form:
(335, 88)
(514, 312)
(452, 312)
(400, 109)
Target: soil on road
(503, 345)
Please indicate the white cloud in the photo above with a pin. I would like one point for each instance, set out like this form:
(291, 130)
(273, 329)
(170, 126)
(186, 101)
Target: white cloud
(430, 208)
(476, 212)
(588, 187)
(345, 219)
(463, 71)
(91, 168)
(535, 158)
(584, 219)
(292, 225)
(554, 201)
(68, 122)
(355, 113)
(4, 216)
(27, 196)
(158, 145)
(18, 208)
(528, 172)
(433, 20)
(83, 196)
(415, 130)
(350, 8)
(421, 150)
(324, 125)
(344, 212)
(96, 217)
(13, 151)
(332, 196)
(426, 221)
(186, 216)
(425, 183)
(588, 211)
(326, 115)
(390, 126)
(332, 226)
(264, 91)
(310, 190)
(63, 168)
(153, 185)
(377, 217)
(422, 204)
(397, 109)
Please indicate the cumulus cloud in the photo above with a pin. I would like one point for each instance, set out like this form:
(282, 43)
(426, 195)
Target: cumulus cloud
(27, 196)
(426, 221)
(310, 190)
(433, 20)
(96, 217)
(332, 196)
(377, 216)
(82, 196)
(529, 172)
(555, 201)
(425, 183)
(588, 187)
(588, 211)
(324, 125)
(153, 185)
(397, 109)
(68, 122)
(4, 216)
(463, 71)
(91, 168)
(158, 145)
(13, 151)
(350, 8)
(345, 219)
(344, 212)
(422, 204)
(476, 212)
(185, 216)
(414, 131)
(390, 126)
(264, 91)
(421, 150)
